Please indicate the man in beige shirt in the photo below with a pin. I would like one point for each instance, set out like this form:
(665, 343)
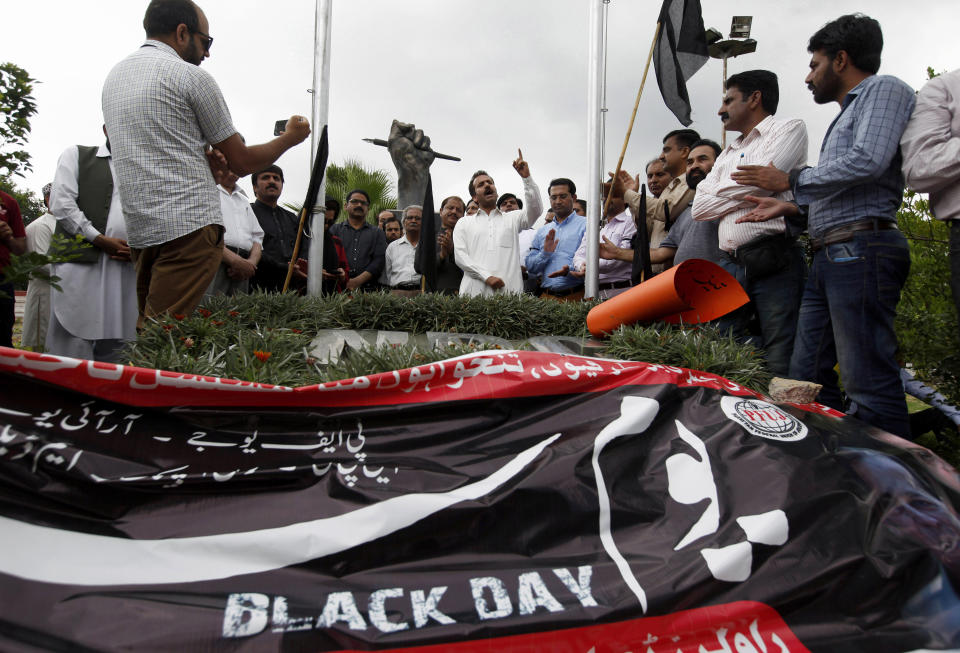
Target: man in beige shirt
(931, 158)
(674, 198)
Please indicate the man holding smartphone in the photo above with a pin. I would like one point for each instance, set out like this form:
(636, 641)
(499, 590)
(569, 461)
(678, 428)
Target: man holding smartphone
(161, 112)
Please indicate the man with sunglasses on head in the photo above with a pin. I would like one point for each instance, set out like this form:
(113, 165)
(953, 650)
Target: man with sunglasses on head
(161, 113)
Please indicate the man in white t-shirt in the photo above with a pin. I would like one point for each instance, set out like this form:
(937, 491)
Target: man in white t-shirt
(242, 240)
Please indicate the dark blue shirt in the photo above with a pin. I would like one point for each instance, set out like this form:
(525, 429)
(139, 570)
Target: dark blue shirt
(365, 247)
(858, 175)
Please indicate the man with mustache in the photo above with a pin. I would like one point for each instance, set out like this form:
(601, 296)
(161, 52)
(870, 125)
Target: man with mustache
(486, 244)
(861, 259)
(279, 234)
(764, 257)
(400, 273)
(658, 177)
(552, 250)
(365, 244)
(449, 275)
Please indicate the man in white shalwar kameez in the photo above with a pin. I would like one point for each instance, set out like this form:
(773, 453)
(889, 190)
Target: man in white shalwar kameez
(95, 314)
(36, 307)
(486, 244)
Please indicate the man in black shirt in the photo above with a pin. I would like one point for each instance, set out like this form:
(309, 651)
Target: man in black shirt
(365, 244)
(279, 234)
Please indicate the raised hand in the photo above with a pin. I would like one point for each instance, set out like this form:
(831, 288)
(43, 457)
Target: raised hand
(298, 128)
(445, 244)
(609, 251)
(521, 166)
(550, 242)
(628, 182)
(411, 155)
(409, 147)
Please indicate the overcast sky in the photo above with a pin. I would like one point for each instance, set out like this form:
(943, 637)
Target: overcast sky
(481, 79)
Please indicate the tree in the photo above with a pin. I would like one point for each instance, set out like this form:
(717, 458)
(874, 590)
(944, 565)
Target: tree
(926, 320)
(17, 106)
(353, 174)
(31, 206)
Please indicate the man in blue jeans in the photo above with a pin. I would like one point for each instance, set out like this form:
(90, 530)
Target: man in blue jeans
(764, 257)
(852, 195)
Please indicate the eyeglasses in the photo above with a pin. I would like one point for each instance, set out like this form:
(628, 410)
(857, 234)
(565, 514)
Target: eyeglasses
(207, 40)
(361, 202)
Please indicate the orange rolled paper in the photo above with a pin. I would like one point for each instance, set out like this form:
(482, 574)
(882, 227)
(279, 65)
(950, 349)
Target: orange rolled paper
(694, 291)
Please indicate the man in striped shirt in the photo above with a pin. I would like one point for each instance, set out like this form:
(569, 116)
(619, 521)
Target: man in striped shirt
(161, 113)
(763, 256)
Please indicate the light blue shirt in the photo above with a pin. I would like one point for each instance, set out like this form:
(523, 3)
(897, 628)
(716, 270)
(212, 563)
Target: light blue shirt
(540, 263)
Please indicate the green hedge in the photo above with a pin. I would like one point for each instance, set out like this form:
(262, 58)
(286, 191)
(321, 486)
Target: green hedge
(223, 337)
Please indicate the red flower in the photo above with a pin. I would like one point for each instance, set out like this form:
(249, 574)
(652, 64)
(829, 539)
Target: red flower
(234, 314)
(216, 322)
(296, 330)
(204, 312)
(262, 355)
(167, 327)
(178, 316)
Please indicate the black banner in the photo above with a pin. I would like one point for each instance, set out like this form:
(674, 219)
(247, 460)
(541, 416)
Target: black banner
(509, 501)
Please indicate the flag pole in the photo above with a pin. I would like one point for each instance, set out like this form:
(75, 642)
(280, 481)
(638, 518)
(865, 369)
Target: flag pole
(320, 104)
(636, 106)
(596, 107)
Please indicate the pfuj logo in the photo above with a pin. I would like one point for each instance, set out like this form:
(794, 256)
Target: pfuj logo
(763, 419)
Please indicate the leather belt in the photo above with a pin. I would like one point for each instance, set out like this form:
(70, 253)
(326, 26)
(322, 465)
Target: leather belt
(243, 253)
(562, 293)
(406, 286)
(845, 232)
(613, 285)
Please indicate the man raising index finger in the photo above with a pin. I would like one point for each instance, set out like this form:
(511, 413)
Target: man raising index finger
(485, 244)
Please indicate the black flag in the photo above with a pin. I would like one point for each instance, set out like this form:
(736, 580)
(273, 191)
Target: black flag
(641, 270)
(425, 261)
(680, 51)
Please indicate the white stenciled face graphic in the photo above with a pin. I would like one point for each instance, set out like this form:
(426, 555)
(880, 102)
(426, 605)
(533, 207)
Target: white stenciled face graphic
(690, 481)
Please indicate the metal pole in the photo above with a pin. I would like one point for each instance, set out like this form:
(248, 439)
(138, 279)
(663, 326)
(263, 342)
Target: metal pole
(723, 90)
(594, 144)
(318, 118)
(603, 90)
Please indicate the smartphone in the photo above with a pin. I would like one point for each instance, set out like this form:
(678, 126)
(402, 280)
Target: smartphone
(279, 127)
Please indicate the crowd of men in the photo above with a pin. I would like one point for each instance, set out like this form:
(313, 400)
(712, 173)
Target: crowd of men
(168, 225)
